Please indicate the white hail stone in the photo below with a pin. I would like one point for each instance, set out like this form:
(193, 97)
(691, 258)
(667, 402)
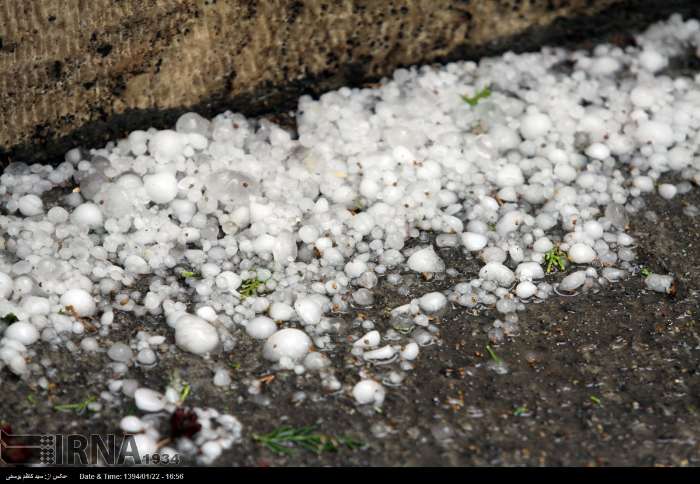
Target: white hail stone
(88, 215)
(535, 125)
(510, 175)
(426, 260)
(23, 332)
(573, 281)
(290, 343)
(30, 205)
(7, 285)
(527, 271)
(261, 327)
(149, 400)
(660, 283)
(652, 60)
(285, 248)
(580, 253)
(525, 289)
(161, 187)
(80, 300)
(195, 335)
(497, 272)
(316, 361)
(473, 241)
(131, 424)
(281, 311)
(368, 340)
(598, 151)
(369, 392)
(432, 302)
(120, 352)
(383, 353)
(308, 310)
(166, 145)
(410, 351)
(655, 132)
(667, 191)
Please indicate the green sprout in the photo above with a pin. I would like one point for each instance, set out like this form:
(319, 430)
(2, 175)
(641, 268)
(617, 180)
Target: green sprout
(185, 392)
(78, 408)
(645, 272)
(177, 384)
(285, 440)
(10, 318)
(31, 399)
(235, 366)
(520, 411)
(554, 257)
(474, 100)
(493, 354)
(190, 274)
(595, 400)
(250, 287)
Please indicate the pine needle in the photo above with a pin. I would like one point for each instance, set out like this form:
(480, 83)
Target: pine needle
(79, 407)
(493, 354)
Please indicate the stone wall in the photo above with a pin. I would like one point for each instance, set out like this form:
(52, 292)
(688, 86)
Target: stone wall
(79, 72)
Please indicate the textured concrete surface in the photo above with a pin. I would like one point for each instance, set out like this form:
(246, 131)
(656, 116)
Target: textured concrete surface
(80, 72)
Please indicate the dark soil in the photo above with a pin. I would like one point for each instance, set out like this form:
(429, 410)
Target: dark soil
(610, 377)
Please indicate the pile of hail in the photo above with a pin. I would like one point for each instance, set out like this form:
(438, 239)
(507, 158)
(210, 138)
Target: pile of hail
(243, 230)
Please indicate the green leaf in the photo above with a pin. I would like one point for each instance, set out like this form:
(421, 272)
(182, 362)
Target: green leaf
(520, 411)
(555, 257)
(250, 287)
(474, 100)
(10, 318)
